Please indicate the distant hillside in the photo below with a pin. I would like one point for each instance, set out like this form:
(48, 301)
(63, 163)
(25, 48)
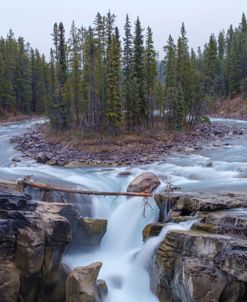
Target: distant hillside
(235, 107)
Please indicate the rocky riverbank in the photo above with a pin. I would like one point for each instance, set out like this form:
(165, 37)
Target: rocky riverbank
(33, 238)
(148, 147)
(208, 262)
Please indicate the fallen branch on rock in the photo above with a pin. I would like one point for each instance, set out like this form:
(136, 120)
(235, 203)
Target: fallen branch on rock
(27, 182)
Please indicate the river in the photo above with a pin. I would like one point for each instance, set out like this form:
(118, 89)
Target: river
(218, 167)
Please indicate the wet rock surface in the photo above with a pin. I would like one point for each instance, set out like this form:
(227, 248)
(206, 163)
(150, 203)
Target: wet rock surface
(33, 239)
(34, 144)
(208, 262)
(81, 284)
(145, 182)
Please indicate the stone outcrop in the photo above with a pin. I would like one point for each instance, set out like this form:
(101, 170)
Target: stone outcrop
(88, 235)
(81, 284)
(145, 182)
(208, 262)
(188, 203)
(33, 239)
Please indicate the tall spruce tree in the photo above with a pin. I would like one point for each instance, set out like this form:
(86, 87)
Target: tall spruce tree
(60, 113)
(139, 75)
(113, 95)
(150, 74)
(75, 50)
(184, 68)
(127, 62)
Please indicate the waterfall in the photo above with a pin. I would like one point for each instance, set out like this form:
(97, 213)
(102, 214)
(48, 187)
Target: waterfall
(125, 258)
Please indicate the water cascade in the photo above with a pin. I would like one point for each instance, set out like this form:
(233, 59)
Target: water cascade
(125, 258)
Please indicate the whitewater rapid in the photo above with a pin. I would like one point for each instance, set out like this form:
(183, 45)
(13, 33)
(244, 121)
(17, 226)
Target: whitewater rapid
(125, 258)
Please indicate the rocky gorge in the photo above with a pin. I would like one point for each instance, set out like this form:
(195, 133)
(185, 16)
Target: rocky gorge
(33, 238)
(208, 262)
(180, 245)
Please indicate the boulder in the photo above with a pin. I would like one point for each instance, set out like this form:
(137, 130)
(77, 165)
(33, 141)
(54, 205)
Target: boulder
(81, 284)
(208, 262)
(145, 182)
(88, 235)
(151, 230)
(102, 289)
(33, 238)
(200, 267)
(43, 157)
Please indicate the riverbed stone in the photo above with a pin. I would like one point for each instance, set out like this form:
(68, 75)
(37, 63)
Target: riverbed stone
(81, 284)
(151, 230)
(145, 182)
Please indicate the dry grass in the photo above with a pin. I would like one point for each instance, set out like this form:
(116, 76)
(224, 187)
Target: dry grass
(99, 143)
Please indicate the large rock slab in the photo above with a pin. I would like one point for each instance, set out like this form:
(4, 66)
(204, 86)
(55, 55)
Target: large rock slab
(188, 204)
(81, 284)
(208, 262)
(33, 238)
(145, 182)
(190, 266)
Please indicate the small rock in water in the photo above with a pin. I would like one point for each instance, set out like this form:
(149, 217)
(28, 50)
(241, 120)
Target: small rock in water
(209, 164)
(125, 173)
(102, 289)
(16, 159)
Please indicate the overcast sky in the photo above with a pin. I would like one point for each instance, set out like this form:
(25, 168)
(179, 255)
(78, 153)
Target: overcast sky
(34, 19)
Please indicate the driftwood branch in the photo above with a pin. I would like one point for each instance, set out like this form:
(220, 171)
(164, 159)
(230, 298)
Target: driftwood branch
(26, 182)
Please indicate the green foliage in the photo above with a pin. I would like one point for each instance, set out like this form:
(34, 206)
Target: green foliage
(150, 74)
(113, 96)
(24, 79)
(95, 82)
(139, 75)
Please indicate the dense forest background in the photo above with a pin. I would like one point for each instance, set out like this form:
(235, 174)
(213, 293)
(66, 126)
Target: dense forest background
(97, 82)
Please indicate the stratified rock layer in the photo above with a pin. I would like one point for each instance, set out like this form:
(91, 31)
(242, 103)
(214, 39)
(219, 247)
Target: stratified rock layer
(208, 262)
(33, 239)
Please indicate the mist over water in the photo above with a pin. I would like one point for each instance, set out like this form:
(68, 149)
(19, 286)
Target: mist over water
(124, 256)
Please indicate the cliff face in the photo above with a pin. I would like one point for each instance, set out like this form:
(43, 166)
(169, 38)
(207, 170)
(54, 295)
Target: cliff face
(33, 239)
(208, 262)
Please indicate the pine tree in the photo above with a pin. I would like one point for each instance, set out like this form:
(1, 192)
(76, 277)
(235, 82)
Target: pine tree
(139, 75)
(113, 96)
(171, 84)
(60, 113)
(150, 73)
(184, 68)
(211, 66)
(221, 86)
(234, 70)
(101, 39)
(76, 73)
(92, 119)
(127, 62)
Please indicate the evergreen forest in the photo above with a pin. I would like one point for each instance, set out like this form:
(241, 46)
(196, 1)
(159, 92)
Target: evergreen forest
(96, 81)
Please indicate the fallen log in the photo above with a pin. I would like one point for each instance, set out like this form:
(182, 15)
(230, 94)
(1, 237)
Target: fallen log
(27, 182)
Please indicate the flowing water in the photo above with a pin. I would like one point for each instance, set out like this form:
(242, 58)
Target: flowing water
(125, 258)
